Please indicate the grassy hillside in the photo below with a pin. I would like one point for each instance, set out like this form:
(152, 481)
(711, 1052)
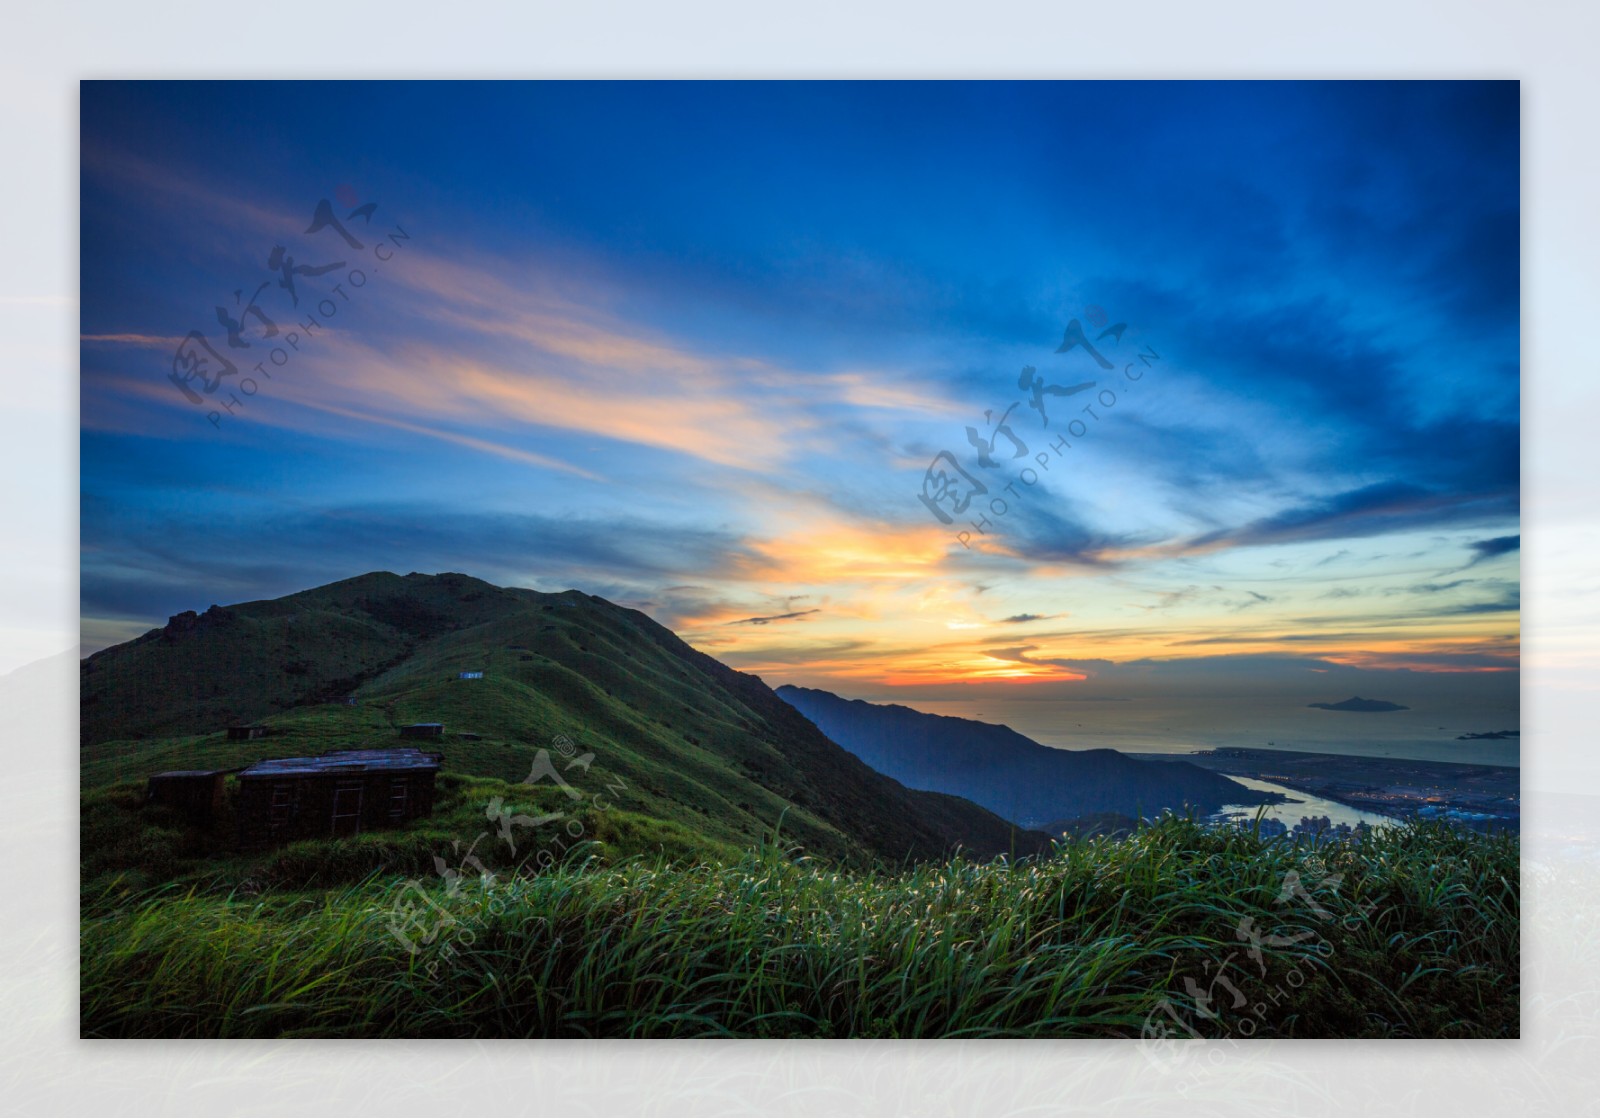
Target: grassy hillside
(718, 866)
(1411, 934)
(682, 739)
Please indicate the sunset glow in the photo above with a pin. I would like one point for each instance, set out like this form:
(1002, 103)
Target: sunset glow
(723, 410)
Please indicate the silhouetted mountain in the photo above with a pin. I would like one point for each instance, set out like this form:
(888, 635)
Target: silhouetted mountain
(1006, 772)
(710, 751)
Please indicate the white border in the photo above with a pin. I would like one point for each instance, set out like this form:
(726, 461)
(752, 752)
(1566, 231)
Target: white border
(45, 49)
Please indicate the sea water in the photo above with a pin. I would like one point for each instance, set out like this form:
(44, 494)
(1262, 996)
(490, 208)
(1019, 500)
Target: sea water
(1427, 731)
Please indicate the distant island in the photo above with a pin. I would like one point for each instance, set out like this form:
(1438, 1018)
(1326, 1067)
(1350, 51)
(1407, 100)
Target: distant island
(1356, 703)
(1494, 734)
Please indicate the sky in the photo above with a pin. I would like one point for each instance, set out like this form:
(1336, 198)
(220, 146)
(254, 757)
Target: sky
(1240, 364)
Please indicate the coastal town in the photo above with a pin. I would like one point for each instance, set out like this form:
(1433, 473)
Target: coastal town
(1482, 797)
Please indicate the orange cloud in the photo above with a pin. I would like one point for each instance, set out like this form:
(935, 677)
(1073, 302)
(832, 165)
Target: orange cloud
(1457, 654)
(717, 428)
(843, 552)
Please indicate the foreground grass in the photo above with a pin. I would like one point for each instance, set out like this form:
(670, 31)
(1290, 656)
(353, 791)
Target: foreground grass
(1413, 933)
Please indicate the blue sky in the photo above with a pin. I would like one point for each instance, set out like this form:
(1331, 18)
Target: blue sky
(693, 346)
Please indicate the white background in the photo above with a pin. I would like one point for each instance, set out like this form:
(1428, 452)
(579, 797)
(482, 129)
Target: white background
(45, 50)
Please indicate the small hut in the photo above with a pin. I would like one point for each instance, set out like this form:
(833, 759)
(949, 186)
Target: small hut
(422, 730)
(245, 733)
(338, 794)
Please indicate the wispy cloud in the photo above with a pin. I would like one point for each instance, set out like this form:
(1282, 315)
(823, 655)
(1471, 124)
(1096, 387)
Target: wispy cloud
(1382, 507)
(1497, 546)
(772, 618)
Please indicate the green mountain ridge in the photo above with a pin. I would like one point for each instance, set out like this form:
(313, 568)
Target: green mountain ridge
(681, 738)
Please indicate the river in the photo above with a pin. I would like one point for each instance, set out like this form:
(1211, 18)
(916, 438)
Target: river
(1303, 804)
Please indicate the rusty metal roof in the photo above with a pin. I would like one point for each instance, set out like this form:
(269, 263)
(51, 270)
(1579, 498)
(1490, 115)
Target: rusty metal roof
(345, 761)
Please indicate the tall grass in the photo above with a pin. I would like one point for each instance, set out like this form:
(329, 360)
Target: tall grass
(1418, 938)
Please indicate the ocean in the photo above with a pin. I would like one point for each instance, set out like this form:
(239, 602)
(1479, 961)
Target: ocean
(1427, 731)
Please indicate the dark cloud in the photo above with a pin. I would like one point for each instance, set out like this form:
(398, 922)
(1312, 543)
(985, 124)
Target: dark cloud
(1166, 600)
(1316, 364)
(1053, 533)
(1268, 670)
(771, 618)
(1331, 637)
(1431, 588)
(1496, 546)
(1508, 603)
(1369, 511)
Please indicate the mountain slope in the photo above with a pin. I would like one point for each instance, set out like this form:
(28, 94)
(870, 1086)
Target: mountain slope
(675, 735)
(1006, 772)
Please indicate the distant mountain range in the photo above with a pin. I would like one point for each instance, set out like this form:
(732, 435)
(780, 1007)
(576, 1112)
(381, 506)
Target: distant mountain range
(686, 742)
(1006, 772)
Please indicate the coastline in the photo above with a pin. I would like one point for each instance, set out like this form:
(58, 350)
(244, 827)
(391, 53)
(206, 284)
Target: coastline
(1479, 796)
